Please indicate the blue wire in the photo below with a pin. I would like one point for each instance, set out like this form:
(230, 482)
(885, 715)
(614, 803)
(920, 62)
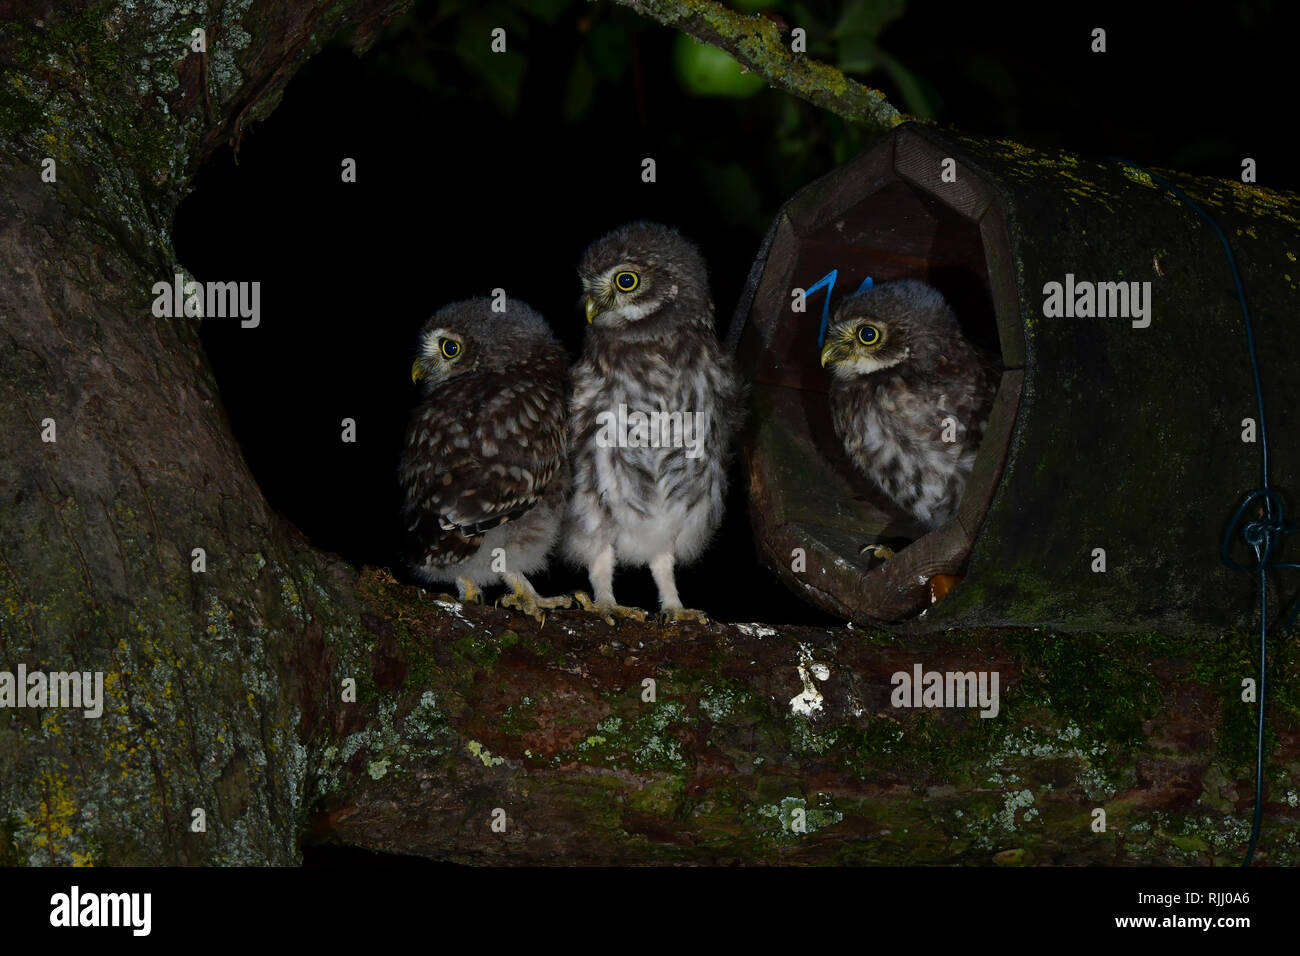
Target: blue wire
(828, 280)
(1262, 533)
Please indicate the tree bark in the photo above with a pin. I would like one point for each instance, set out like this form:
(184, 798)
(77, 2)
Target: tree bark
(213, 680)
(783, 745)
(226, 690)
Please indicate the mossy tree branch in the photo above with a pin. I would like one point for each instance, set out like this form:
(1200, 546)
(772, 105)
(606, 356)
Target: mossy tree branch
(755, 42)
(783, 745)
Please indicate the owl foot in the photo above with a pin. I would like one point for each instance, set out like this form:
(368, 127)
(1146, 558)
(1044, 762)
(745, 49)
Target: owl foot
(608, 610)
(533, 604)
(469, 592)
(676, 615)
(881, 551)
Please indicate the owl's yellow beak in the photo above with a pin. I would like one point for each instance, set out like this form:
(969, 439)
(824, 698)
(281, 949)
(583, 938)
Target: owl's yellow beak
(592, 308)
(833, 352)
(417, 371)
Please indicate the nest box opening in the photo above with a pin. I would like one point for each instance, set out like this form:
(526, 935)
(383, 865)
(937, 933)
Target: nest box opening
(897, 211)
(319, 393)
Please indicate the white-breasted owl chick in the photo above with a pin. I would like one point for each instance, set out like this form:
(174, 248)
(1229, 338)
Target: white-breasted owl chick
(485, 468)
(910, 397)
(654, 406)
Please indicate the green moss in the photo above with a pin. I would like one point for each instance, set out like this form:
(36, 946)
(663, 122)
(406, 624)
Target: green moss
(422, 671)
(662, 797)
(519, 719)
(18, 114)
(1221, 665)
(636, 736)
(9, 854)
(1080, 680)
(478, 649)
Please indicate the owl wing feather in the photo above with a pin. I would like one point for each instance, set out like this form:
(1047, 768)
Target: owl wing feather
(482, 451)
(966, 384)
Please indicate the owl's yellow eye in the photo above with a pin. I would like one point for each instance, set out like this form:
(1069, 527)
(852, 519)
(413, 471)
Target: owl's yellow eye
(450, 348)
(869, 335)
(626, 281)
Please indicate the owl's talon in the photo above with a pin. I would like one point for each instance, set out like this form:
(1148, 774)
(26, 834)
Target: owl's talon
(881, 551)
(534, 605)
(677, 615)
(609, 611)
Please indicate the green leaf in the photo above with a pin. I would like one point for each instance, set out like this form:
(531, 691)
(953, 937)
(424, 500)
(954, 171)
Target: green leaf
(548, 11)
(580, 90)
(707, 71)
(610, 50)
(734, 196)
(502, 73)
(919, 98)
(868, 17)
(801, 15)
(820, 46)
(858, 53)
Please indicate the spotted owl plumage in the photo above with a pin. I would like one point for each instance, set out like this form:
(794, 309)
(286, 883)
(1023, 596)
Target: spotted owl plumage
(904, 379)
(484, 470)
(650, 348)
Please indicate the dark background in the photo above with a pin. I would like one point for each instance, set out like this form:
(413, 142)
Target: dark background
(477, 171)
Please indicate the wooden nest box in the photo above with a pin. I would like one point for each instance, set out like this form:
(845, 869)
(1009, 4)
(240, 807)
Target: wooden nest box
(1115, 455)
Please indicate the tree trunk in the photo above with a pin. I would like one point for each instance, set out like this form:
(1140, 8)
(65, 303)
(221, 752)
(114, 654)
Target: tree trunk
(213, 681)
(226, 689)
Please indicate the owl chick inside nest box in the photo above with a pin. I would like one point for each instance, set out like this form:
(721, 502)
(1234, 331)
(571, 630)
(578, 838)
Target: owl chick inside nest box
(910, 397)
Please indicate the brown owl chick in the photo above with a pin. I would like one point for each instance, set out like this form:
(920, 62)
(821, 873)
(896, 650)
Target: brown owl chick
(910, 397)
(485, 467)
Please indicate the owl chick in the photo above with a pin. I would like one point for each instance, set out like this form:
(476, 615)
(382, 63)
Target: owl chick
(485, 470)
(655, 403)
(910, 397)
